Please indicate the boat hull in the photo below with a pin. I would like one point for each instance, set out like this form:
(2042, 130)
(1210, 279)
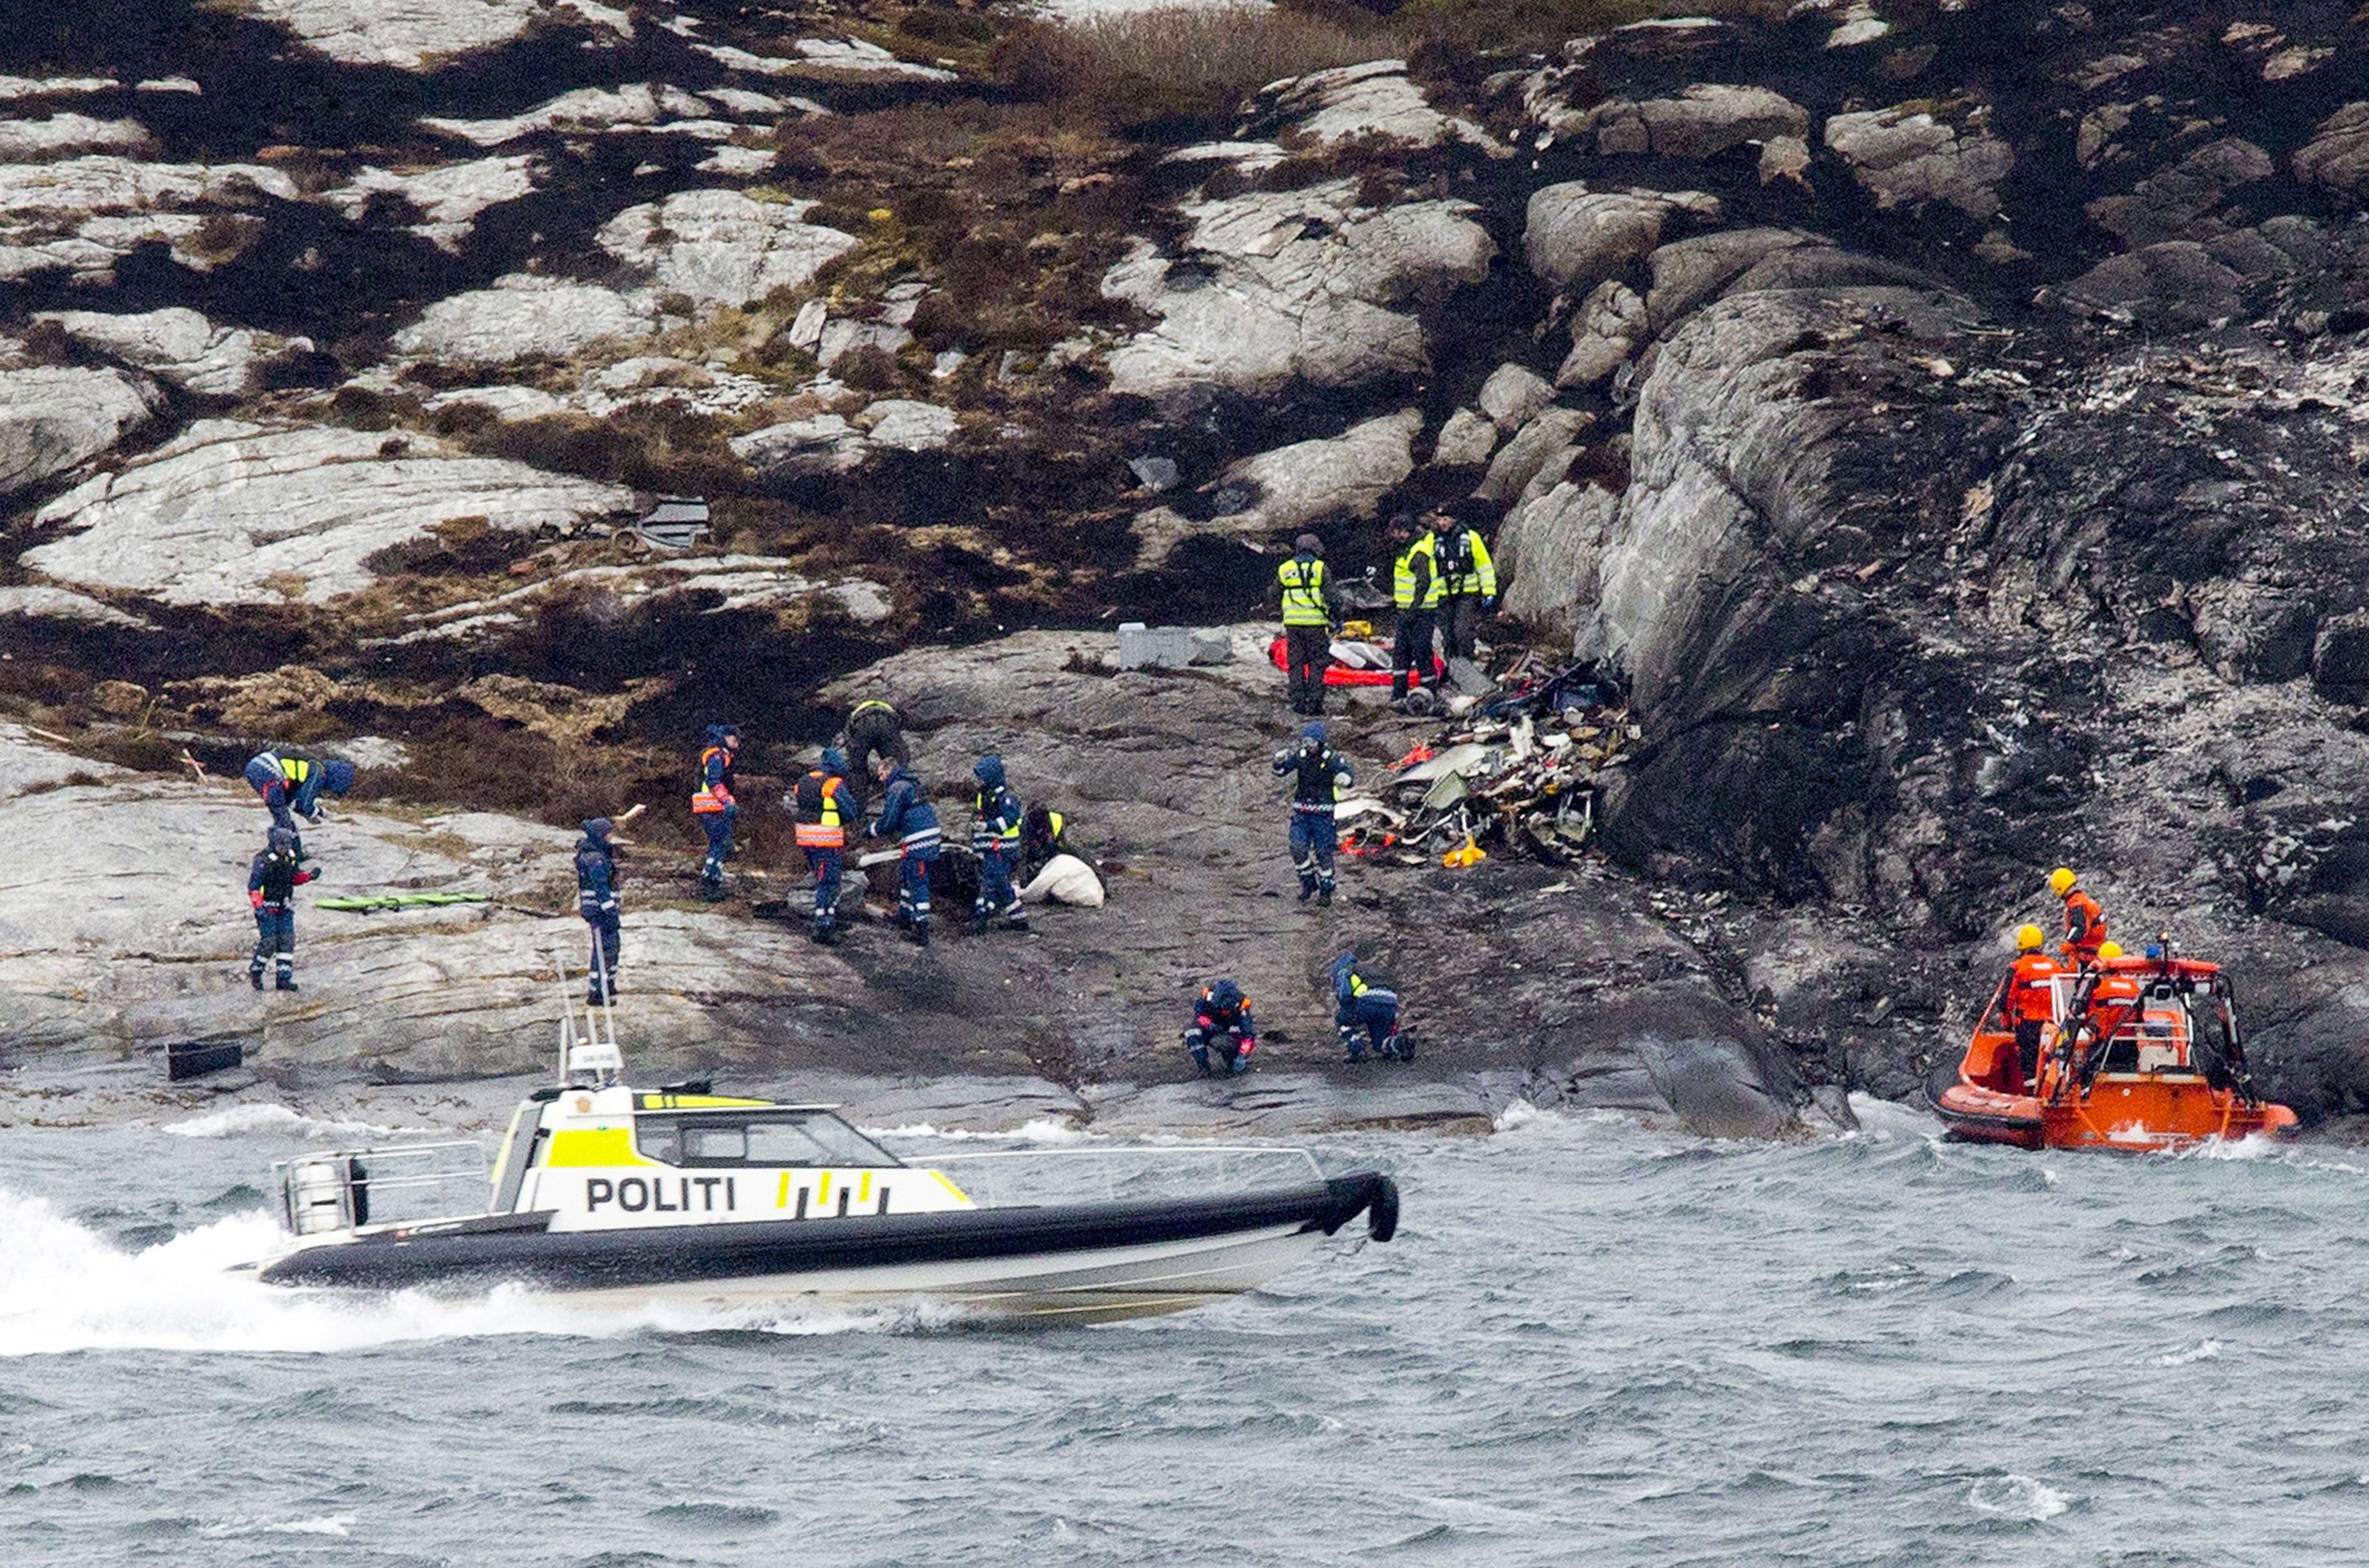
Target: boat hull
(2134, 1112)
(1082, 1262)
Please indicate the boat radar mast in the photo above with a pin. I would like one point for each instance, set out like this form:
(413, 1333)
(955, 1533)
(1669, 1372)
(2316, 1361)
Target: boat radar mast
(589, 1057)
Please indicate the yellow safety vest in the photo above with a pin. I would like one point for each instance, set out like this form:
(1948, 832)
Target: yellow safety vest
(295, 769)
(1303, 592)
(1479, 573)
(1403, 577)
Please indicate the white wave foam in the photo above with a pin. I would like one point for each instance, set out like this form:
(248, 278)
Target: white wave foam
(1044, 1129)
(67, 1288)
(327, 1524)
(1519, 1112)
(2258, 1146)
(246, 1120)
(2017, 1497)
(2208, 1351)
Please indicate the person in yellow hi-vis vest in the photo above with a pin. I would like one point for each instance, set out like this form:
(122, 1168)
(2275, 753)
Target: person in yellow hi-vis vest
(1416, 590)
(1308, 617)
(1469, 578)
(824, 805)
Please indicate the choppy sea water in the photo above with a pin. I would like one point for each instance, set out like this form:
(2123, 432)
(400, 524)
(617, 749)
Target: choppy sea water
(1590, 1343)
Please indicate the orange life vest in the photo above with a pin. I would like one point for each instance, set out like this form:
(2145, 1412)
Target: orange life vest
(829, 832)
(2031, 999)
(717, 796)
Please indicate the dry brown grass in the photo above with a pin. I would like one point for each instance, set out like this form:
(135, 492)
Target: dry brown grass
(1177, 62)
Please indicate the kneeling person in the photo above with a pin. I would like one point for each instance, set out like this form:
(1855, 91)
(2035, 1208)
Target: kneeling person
(1223, 1019)
(1366, 1002)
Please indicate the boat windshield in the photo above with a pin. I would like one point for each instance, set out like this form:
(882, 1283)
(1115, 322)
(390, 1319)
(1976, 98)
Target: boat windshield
(755, 1138)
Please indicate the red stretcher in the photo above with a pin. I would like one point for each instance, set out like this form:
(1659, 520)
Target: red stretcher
(1339, 674)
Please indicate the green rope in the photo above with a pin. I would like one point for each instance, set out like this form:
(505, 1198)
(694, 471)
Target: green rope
(370, 903)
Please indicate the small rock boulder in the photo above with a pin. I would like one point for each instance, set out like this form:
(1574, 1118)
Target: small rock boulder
(178, 345)
(2338, 154)
(2175, 204)
(521, 316)
(1578, 238)
(722, 247)
(2340, 658)
(53, 418)
(1606, 329)
(1907, 158)
(1548, 551)
(1702, 123)
(1465, 441)
(1348, 474)
(1554, 433)
(1512, 394)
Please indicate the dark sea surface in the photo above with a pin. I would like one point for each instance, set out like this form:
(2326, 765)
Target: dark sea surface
(1591, 1342)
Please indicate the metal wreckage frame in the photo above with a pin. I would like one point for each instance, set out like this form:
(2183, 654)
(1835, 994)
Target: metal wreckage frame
(1515, 771)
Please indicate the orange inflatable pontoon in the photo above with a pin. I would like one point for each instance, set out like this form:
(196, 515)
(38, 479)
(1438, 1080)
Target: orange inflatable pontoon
(2140, 1054)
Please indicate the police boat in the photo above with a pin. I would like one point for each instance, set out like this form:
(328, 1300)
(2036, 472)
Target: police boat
(602, 1191)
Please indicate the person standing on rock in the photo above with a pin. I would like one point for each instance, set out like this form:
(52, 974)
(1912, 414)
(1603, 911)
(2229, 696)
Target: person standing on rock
(272, 878)
(1416, 590)
(596, 900)
(1470, 580)
(1318, 774)
(996, 816)
(823, 805)
(1224, 1014)
(906, 815)
(2085, 922)
(1308, 617)
(716, 805)
(875, 731)
(291, 785)
(1366, 1004)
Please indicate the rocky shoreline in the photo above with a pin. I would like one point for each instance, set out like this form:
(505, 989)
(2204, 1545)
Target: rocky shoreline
(1946, 419)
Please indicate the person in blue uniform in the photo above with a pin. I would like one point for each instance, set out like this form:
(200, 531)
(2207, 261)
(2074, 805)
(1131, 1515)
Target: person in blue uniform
(824, 805)
(596, 900)
(1366, 1008)
(906, 815)
(1223, 1033)
(716, 805)
(272, 878)
(291, 785)
(1317, 775)
(996, 816)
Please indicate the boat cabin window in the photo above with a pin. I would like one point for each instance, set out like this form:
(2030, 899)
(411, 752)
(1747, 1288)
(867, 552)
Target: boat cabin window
(756, 1138)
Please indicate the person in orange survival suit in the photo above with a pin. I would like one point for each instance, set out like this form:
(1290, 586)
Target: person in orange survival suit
(2030, 1000)
(2085, 922)
(2115, 1000)
(714, 804)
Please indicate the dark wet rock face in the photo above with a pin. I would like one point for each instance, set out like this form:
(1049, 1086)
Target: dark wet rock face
(1949, 419)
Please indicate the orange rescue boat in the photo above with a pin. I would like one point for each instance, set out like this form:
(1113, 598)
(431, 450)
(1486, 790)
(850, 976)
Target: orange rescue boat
(2139, 1054)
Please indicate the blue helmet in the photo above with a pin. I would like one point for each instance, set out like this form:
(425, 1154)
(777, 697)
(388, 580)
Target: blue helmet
(336, 776)
(834, 761)
(1226, 994)
(281, 840)
(598, 829)
(989, 771)
(718, 734)
(1314, 732)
